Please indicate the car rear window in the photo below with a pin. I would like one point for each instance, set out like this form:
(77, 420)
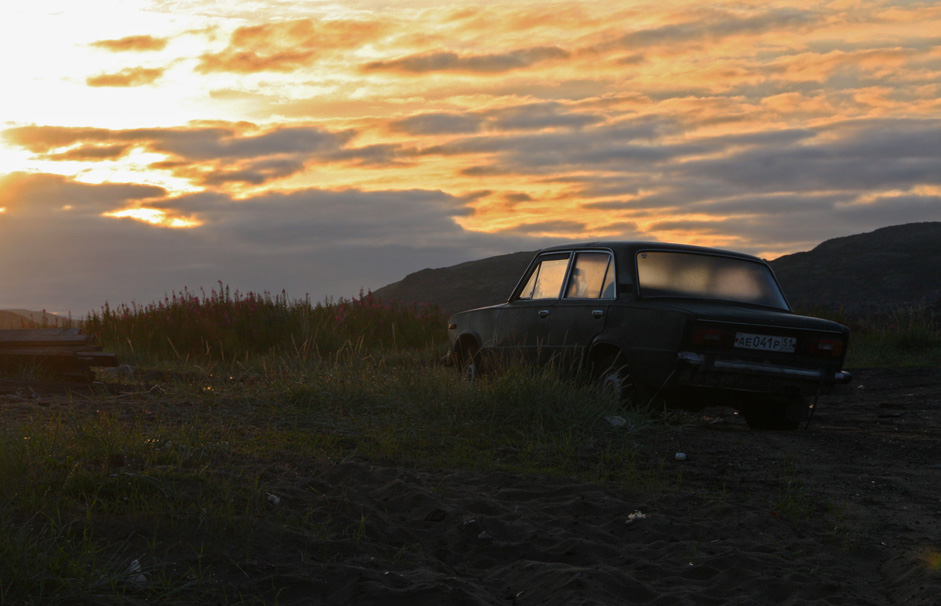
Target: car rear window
(684, 274)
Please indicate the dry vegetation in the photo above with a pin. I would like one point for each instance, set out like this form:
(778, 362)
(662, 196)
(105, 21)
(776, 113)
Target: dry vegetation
(211, 458)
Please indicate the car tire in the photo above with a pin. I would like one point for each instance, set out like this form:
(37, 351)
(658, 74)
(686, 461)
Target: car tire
(468, 363)
(778, 415)
(612, 378)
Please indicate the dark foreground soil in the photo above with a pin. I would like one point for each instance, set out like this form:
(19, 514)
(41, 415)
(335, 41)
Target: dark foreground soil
(846, 511)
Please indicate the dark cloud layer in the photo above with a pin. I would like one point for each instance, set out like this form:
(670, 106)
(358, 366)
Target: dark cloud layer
(271, 241)
(716, 25)
(447, 61)
(42, 195)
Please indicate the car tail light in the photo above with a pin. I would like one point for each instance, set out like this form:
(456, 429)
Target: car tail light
(712, 337)
(826, 347)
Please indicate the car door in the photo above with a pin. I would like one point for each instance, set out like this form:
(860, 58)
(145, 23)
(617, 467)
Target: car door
(580, 314)
(523, 325)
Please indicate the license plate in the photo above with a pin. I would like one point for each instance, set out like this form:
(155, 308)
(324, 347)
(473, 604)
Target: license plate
(765, 343)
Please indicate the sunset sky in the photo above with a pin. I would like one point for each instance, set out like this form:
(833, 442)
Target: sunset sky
(324, 147)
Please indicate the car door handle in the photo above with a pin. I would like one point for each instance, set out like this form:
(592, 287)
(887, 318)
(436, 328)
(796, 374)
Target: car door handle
(543, 313)
(597, 313)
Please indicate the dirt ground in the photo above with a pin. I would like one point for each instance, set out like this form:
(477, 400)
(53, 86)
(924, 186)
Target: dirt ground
(845, 511)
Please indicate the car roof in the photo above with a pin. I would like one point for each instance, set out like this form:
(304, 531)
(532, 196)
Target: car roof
(631, 247)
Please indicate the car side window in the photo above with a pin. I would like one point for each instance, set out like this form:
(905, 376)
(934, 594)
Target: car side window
(592, 277)
(546, 280)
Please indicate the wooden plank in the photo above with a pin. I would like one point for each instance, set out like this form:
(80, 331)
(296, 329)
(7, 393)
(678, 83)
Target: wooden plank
(48, 351)
(58, 350)
(10, 339)
(87, 358)
(20, 333)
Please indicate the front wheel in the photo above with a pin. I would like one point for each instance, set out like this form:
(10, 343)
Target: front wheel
(468, 362)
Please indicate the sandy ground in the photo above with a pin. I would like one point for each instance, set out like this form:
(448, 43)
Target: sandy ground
(846, 511)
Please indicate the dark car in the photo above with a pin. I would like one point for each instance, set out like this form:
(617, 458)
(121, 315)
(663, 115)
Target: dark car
(686, 325)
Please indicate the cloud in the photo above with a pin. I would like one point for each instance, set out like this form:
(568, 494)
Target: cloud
(295, 241)
(235, 142)
(44, 195)
(761, 127)
(528, 116)
(716, 25)
(629, 147)
(437, 123)
(547, 228)
(132, 43)
(205, 154)
(132, 76)
(45, 139)
(91, 153)
(447, 61)
(536, 116)
(288, 46)
(859, 156)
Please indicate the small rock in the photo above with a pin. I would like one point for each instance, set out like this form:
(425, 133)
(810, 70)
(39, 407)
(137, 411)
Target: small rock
(680, 456)
(616, 421)
(637, 515)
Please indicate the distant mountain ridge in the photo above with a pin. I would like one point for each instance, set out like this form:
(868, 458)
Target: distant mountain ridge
(883, 269)
(890, 267)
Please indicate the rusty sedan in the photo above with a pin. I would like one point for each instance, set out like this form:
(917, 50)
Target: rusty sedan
(650, 322)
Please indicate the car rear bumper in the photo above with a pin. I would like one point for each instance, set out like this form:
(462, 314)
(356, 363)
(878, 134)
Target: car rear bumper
(699, 369)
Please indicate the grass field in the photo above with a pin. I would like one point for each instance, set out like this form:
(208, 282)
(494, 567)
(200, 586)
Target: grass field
(145, 490)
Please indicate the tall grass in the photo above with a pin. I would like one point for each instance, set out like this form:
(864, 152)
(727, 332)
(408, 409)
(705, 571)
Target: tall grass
(226, 325)
(179, 480)
(902, 336)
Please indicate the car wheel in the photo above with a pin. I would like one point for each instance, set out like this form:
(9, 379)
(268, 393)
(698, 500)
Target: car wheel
(468, 362)
(777, 415)
(613, 380)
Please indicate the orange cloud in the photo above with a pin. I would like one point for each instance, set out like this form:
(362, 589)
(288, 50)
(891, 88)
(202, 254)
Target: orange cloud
(288, 46)
(40, 194)
(91, 153)
(132, 43)
(133, 76)
(155, 217)
(209, 154)
(452, 62)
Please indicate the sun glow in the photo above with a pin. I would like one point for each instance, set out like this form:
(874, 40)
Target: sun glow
(155, 217)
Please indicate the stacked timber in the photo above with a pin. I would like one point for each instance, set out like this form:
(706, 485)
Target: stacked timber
(56, 351)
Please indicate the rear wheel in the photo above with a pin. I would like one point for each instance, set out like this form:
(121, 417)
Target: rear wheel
(612, 378)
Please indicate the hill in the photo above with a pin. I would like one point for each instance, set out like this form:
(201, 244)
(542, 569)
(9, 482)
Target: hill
(471, 284)
(889, 267)
(24, 318)
(886, 268)
(9, 320)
